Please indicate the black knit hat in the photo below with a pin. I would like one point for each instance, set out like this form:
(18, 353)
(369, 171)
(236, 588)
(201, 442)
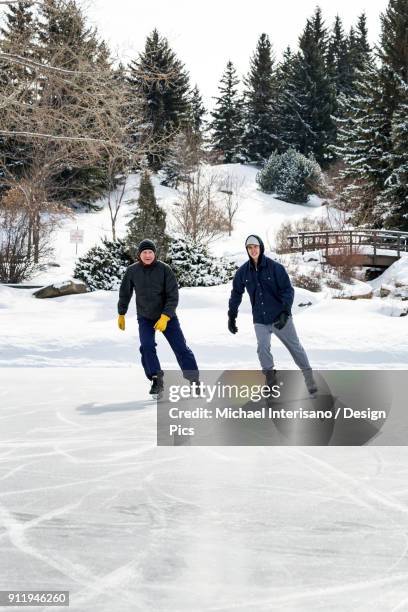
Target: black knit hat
(146, 245)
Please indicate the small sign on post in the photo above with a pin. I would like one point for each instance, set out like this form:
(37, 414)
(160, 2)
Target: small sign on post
(76, 236)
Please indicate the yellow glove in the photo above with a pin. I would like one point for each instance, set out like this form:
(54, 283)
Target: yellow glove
(121, 322)
(161, 324)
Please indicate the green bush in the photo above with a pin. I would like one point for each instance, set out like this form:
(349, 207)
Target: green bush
(291, 176)
(194, 266)
(103, 266)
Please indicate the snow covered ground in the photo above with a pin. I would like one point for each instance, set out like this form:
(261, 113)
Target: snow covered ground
(258, 213)
(81, 331)
(90, 504)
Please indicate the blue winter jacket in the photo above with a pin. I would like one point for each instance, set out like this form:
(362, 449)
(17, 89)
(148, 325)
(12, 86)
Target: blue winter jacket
(268, 286)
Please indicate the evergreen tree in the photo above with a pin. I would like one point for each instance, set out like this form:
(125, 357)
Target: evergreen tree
(103, 266)
(160, 79)
(285, 101)
(66, 41)
(362, 36)
(291, 176)
(259, 137)
(227, 117)
(371, 136)
(183, 158)
(359, 51)
(148, 221)
(361, 145)
(395, 195)
(308, 101)
(194, 266)
(197, 111)
(338, 59)
(16, 38)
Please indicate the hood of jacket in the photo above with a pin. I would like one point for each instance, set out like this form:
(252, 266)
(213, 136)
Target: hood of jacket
(261, 247)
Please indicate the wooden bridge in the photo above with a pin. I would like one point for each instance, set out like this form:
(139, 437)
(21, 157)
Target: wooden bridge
(352, 244)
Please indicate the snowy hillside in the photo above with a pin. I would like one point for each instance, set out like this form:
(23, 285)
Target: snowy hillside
(258, 213)
(81, 330)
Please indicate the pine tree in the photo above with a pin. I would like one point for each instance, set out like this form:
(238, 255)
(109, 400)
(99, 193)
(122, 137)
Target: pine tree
(66, 41)
(227, 117)
(338, 59)
(362, 37)
(103, 266)
(160, 79)
(359, 51)
(182, 159)
(395, 194)
(17, 38)
(197, 111)
(393, 53)
(309, 97)
(148, 221)
(259, 137)
(371, 136)
(362, 144)
(194, 266)
(285, 101)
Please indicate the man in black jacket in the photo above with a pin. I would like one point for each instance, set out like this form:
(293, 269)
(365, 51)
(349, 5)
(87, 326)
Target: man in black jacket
(271, 294)
(156, 301)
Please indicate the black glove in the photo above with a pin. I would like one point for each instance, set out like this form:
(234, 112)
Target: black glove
(281, 321)
(232, 326)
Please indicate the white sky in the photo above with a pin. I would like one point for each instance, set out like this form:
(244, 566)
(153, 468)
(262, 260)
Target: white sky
(206, 35)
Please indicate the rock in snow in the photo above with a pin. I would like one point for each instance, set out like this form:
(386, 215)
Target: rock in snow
(68, 287)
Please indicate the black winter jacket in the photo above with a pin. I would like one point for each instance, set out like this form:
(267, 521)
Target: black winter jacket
(156, 290)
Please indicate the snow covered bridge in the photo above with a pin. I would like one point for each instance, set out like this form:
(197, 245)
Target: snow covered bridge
(365, 247)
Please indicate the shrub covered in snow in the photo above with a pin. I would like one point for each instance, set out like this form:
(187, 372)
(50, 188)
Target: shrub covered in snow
(291, 176)
(103, 266)
(311, 283)
(195, 267)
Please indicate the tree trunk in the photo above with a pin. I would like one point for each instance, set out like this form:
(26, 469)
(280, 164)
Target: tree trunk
(36, 236)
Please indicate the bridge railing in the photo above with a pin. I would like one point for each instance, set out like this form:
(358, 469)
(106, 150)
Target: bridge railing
(349, 240)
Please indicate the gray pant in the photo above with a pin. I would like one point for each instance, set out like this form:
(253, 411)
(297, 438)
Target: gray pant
(288, 337)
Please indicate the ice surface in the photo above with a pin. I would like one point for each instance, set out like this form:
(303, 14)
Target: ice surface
(89, 504)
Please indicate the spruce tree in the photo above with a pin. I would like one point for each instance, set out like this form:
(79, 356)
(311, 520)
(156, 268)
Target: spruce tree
(308, 101)
(67, 42)
(338, 59)
(160, 79)
(148, 221)
(359, 51)
(17, 37)
(371, 136)
(285, 101)
(259, 136)
(393, 54)
(361, 145)
(395, 195)
(197, 111)
(183, 158)
(226, 122)
(362, 37)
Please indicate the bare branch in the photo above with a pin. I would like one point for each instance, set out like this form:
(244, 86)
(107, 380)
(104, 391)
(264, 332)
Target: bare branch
(29, 63)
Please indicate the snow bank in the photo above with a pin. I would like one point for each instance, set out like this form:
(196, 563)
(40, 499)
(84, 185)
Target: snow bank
(396, 275)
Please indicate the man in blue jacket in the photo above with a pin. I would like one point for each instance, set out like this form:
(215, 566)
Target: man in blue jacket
(271, 294)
